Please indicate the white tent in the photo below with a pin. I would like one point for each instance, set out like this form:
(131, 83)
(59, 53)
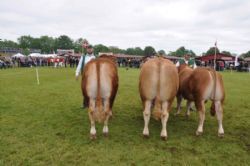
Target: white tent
(49, 55)
(35, 55)
(18, 55)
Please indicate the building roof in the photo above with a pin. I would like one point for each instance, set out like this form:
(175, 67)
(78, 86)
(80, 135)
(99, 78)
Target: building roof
(219, 56)
(247, 59)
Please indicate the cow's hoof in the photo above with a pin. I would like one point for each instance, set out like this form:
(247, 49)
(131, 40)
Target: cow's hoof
(93, 136)
(221, 135)
(146, 136)
(164, 138)
(105, 134)
(199, 133)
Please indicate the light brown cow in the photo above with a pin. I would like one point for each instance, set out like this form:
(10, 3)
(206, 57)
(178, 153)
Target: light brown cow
(99, 86)
(204, 84)
(184, 73)
(158, 86)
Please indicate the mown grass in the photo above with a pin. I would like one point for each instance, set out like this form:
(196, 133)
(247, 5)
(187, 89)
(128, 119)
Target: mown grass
(44, 125)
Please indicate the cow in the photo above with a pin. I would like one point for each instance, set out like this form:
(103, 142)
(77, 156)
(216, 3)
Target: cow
(158, 86)
(99, 87)
(200, 85)
(184, 72)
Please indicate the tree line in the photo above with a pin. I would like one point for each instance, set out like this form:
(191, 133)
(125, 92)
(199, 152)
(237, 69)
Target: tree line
(49, 44)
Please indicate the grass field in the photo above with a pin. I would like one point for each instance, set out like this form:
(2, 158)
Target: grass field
(44, 125)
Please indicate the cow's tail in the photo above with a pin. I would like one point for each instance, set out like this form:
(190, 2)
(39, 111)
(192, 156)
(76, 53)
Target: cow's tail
(157, 101)
(212, 108)
(100, 114)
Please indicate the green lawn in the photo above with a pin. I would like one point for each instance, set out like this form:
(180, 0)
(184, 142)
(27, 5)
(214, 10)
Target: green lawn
(44, 125)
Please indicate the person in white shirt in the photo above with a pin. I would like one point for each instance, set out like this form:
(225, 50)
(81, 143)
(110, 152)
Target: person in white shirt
(80, 67)
(84, 60)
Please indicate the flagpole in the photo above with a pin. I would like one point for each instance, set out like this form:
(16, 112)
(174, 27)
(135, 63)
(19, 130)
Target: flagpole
(215, 55)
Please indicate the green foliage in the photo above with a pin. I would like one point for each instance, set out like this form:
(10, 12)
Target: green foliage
(116, 50)
(180, 52)
(226, 53)
(149, 51)
(8, 43)
(247, 54)
(47, 44)
(26, 51)
(161, 52)
(100, 48)
(25, 41)
(78, 45)
(211, 51)
(134, 51)
(138, 51)
(44, 125)
(64, 42)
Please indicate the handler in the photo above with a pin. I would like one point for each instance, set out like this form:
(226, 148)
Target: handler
(83, 61)
(187, 60)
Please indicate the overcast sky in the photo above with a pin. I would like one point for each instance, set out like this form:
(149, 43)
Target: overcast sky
(163, 24)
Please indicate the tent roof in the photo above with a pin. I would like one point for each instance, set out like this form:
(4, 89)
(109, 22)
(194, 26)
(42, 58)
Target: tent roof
(18, 55)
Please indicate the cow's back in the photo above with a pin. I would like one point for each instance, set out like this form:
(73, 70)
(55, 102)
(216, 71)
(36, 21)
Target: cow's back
(158, 78)
(100, 78)
(108, 79)
(202, 84)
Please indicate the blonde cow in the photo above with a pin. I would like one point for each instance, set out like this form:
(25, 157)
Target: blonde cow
(158, 86)
(99, 87)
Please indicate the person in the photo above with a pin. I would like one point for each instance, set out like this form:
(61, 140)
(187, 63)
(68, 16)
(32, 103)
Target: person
(83, 61)
(187, 60)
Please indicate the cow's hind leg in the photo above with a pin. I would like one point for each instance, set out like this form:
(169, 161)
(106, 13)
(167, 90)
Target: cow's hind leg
(219, 114)
(189, 106)
(179, 99)
(92, 119)
(200, 106)
(146, 115)
(164, 119)
(107, 115)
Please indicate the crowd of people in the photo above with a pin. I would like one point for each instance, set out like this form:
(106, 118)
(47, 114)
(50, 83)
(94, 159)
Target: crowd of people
(73, 61)
(8, 62)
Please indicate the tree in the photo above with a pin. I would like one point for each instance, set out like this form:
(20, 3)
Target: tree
(25, 41)
(8, 43)
(35, 43)
(130, 51)
(78, 45)
(47, 44)
(100, 48)
(138, 51)
(211, 51)
(26, 51)
(226, 53)
(191, 53)
(149, 51)
(247, 54)
(180, 52)
(116, 50)
(161, 52)
(64, 42)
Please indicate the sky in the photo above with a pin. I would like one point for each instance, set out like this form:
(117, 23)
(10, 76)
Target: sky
(163, 24)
